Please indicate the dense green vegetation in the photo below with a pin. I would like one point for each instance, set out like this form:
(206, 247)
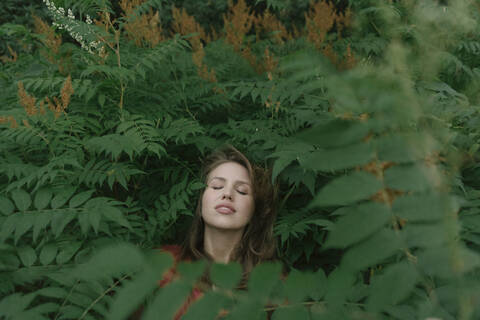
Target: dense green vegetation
(366, 111)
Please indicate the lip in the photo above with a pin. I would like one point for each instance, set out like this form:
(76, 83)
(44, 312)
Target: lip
(224, 208)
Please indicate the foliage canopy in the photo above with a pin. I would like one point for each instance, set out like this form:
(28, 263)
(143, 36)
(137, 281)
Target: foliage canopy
(366, 111)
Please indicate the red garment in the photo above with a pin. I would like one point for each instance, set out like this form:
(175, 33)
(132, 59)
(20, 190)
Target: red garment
(196, 294)
(175, 251)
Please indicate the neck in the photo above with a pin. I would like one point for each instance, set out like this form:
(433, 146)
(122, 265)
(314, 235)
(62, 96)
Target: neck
(219, 244)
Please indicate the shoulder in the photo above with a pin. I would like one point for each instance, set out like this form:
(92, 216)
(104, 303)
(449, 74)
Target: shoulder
(170, 274)
(174, 249)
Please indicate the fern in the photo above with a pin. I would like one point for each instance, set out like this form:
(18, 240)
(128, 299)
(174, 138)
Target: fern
(371, 134)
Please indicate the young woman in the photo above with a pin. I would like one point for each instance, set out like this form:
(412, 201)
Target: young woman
(235, 212)
(233, 220)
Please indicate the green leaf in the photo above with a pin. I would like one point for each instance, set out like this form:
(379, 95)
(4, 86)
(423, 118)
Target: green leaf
(94, 218)
(62, 197)
(424, 207)
(357, 223)
(112, 260)
(427, 235)
(67, 251)
(42, 198)
(83, 222)
(131, 295)
(14, 304)
(390, 288)
(168, 301)
(6, 206)
(263, 278)
(27, 255)
(24, 223)
(300, 285)
(437, 261)
(190, 272)
(208, 307)
(53, 292)
(337, 159)
(71, 312)
(22, 199)
(60, 220)
(347, 189)
(8, 226)
(403, 148)
(412, 178)
(371, 251)
(101, 99)
(114, 214)
(250, 308)
(226, 276)
(80, 198)
(320, 285)
(48, 253)
(280, 164)
(42, 219)
(339, 285)
(402, 312)
(197, 186)
(288, 313)
(336, 133)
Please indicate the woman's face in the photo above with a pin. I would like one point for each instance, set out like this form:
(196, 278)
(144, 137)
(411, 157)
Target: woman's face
(227, 202)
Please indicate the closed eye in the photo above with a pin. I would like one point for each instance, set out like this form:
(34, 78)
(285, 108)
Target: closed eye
(242, 193)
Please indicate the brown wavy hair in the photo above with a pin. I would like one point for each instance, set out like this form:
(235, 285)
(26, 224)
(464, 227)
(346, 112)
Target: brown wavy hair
(258, 243)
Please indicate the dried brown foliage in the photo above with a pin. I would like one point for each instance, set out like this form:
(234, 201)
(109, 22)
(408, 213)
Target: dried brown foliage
(377, 168)
(26, 123)
(50, 40)
(330, 53)
(66, 92)
(13, 58)
(9, 120)
(41, 108)
(57, 107)
(185, 24)
(319, 19)
(270, 24)
(250, 57)
(202, 68)
(144, 29)
(27, 101)
(238, 22)
(386, 196)
(348, 61)
(52, 43)
(61, 104)
(343, 21)
(269, 63)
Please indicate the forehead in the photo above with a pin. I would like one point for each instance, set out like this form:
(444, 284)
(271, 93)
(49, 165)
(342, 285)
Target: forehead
(230, 171)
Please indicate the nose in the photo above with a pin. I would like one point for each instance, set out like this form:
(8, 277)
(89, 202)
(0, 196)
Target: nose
(227, 195)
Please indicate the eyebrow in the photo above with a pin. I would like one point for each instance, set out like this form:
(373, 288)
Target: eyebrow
(223, 179)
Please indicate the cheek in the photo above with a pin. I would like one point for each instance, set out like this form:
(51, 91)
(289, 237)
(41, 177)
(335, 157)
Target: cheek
(249, 207)
(207, 199)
